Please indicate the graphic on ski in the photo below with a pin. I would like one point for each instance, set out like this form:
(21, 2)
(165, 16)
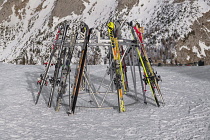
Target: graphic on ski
(117, 65)
(54, 48)
(87, 31)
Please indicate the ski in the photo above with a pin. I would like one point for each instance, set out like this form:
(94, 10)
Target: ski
(85, 29)
(126, 88)
(43, 79)
(143, 58)
(55, 81)
(117, 65)
(65, 72)
(151, 74)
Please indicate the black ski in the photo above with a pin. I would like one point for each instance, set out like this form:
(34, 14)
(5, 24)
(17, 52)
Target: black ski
(85, 29)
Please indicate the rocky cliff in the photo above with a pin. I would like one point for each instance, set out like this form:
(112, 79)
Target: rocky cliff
(175, 30)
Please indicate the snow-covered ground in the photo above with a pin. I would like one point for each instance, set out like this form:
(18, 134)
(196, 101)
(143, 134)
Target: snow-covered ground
(186, 114)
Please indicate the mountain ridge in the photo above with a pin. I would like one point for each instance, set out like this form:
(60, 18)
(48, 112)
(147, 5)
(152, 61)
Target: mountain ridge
(170, 26)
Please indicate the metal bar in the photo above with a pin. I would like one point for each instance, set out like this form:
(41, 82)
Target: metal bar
(104, 76)
(107, 92)
(131, 67)
(90, 88)
(134, 73)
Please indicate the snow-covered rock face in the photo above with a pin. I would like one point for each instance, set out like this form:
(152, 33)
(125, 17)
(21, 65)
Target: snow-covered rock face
(171, 26)
(25, 32)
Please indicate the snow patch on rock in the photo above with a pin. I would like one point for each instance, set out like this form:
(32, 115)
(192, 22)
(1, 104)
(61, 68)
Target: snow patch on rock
(188, 57)
(201, 52)
(184, 47)
(203, 48)
(195, 50)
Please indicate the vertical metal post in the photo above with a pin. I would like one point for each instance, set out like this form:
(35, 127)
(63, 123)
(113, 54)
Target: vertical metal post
(111, 68)
(134, 72)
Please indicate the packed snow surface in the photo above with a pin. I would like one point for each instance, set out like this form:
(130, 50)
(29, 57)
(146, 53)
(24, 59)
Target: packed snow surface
(186, 114)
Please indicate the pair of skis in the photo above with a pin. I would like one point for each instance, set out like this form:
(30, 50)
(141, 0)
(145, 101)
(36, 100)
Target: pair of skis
(63, 61)
(150, 77)
(60, 59)
(117, 65)
(65, 71)
(44, 78)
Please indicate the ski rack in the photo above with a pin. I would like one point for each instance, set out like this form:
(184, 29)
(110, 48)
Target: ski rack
(106, 42)
(63, 62)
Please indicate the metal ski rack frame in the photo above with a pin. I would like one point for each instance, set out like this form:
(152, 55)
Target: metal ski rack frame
(106, 42)
(64, 59)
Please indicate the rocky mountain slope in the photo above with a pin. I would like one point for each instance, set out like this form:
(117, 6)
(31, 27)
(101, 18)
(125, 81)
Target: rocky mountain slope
(176, 31)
